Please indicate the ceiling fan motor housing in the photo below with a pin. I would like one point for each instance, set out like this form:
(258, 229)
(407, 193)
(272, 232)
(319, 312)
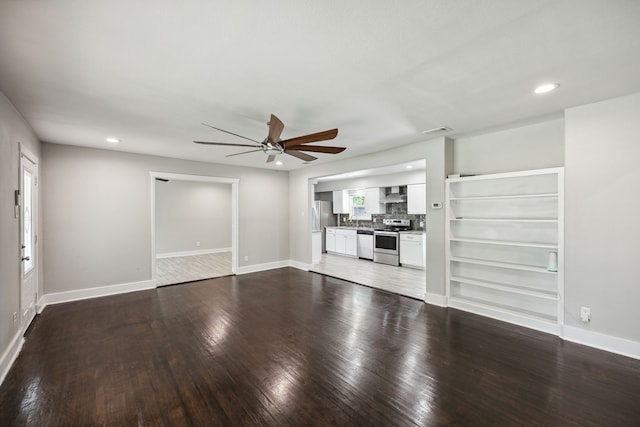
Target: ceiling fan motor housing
(272, 149)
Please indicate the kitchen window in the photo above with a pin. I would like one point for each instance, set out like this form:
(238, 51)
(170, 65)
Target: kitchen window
(357, 206)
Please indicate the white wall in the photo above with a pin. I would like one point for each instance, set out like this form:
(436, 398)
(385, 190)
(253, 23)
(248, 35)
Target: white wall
(602, 209)
(413, 177)
(97, 223)
(532, 146)
(188, 212)
(13, 130)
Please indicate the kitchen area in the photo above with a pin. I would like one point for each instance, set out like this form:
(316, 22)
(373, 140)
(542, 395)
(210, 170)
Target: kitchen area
(372, 235)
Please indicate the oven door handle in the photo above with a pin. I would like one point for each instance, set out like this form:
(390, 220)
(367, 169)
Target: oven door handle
(385, 233)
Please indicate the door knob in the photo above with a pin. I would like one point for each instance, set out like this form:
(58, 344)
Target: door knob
(26, 258)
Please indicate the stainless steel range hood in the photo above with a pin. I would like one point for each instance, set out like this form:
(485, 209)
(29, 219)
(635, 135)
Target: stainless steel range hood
(395, 196)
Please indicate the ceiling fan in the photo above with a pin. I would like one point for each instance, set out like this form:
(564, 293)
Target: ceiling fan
(273, 146)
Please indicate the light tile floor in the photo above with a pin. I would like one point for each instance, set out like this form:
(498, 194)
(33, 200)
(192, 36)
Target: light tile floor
(170, 271)
(401, 280)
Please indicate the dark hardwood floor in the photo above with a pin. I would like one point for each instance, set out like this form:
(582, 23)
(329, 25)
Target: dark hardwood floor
(287, 347)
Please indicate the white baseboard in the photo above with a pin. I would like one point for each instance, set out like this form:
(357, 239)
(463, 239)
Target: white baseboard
(262, 267)
(435, 299)
(299, 265)
(10, 354)
(191, 253)
(600, 341)
(80, 294)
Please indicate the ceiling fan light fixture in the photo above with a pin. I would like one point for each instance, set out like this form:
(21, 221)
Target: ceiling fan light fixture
(545, 88)
(273, 145)
(272, 149)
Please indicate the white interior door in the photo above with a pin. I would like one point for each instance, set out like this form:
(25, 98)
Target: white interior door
(28, 236)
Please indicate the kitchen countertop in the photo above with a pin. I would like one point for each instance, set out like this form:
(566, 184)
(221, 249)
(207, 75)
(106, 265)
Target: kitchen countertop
(346, 227)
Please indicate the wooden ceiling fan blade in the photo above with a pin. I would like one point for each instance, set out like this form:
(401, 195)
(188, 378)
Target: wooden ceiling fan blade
(313, 137)
(271, 158)
(244, 152)
(300, 155)
(231, 133)
(275, 128)
(227, 144)
(318, 148)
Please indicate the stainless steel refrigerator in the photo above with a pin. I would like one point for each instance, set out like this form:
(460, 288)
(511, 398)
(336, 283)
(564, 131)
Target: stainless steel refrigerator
(322, 216)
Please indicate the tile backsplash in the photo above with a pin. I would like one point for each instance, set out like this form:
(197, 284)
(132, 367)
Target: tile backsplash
(394, 210)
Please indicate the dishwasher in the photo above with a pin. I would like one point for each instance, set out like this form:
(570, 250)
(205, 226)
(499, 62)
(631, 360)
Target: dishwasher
(365, 244)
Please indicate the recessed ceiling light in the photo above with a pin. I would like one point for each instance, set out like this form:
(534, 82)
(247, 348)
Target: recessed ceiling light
(278, 163)
(112, 140)
(547, 87)
(409, 167)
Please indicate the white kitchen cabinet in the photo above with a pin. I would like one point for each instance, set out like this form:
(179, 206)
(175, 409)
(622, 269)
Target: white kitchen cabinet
(413, 250)
(416, 199)
(342, 241)
(351, 243)
(330, 242)
(340, 202)
(374, 200)
(502, 230)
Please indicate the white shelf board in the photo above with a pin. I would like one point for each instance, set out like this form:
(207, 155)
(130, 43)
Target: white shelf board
(512, 266)
(507, 287)
(532, 220)
(523, 318)
(506, 243)
(514, 196)
(499, 307)
(502, 175)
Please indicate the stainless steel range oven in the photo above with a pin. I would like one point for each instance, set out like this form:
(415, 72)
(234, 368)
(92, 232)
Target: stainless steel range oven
(386, 241)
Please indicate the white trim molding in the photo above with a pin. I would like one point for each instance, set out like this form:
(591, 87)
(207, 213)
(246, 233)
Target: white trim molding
(10, 355)
(192, 253)
(435, 299)
(262, 267)
(234, 182)
(102, 291)
(600, 341)
(300, 265)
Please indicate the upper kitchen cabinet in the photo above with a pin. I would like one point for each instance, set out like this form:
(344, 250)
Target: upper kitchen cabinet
(374, 200)
(416, 199)
(340, 202)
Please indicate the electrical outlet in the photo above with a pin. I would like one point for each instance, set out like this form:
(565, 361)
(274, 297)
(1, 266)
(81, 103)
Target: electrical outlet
(198, 243)
(246, 257)
(585, 314)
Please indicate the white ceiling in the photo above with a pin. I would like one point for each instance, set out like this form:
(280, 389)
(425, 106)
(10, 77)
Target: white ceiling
(149, 72)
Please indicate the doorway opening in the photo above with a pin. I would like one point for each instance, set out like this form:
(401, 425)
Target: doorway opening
(27, 199)
(359, 202)
(194, 227)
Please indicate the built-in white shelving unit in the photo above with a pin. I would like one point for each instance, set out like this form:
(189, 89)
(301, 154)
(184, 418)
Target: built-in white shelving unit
(501, 230)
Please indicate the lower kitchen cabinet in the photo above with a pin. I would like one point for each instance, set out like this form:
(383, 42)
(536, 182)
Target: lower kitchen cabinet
(342, 241)
(412, 250)
(330, 243)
